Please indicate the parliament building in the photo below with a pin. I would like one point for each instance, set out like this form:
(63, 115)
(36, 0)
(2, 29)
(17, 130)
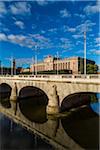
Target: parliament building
(72, 65)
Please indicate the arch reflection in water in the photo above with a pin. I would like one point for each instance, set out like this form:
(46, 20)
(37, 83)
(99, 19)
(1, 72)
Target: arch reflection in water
(32, 103)
(78, 99)
(5, 92)
(83, 127)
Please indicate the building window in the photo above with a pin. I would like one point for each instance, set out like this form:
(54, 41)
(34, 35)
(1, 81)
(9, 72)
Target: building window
(66, 65)
(69, 65)
(55, 66)
(63, 65)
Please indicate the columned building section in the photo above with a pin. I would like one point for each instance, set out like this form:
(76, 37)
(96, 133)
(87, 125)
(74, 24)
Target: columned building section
(74, 65)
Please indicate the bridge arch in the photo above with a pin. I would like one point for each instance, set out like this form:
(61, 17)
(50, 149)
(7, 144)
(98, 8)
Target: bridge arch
(32, 103)
(75, 100)
(5, 92)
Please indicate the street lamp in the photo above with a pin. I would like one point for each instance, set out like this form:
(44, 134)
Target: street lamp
(14, 66)
(32, 66)
(11, 65)
(35, 59)
(57, 62)
(84, 53)
(0, 67)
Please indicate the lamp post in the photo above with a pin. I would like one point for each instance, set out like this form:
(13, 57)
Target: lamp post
(35, 59)
(32, 66)
(14, 66)
(0, 67)
(11, 65)
(57, 62)
(85, 53)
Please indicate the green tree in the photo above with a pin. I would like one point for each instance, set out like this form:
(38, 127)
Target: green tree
(91, 68)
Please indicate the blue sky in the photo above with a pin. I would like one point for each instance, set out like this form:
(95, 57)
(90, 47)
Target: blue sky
(48, 27)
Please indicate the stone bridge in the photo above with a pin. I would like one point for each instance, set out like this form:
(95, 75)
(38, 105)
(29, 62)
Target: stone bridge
(55, 89)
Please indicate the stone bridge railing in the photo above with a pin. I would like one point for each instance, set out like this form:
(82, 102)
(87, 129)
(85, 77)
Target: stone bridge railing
(93, 78)
(78, 76)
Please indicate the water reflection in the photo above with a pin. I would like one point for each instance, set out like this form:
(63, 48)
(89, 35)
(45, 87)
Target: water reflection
(5, 92)
(83, 127)
(14, 137)
(82, 124)
(34, 111)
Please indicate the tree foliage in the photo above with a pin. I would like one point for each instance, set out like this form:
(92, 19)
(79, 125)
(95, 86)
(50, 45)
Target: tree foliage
(91, 69)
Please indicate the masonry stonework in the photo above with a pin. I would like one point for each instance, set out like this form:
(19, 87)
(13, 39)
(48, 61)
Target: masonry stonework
(56, 90)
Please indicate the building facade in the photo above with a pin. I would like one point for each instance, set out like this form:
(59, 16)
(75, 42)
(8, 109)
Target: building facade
(73, 64)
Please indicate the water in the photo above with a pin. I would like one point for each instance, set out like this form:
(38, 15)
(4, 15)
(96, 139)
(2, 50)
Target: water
(83, 127)
(80, 126)
(14, 137)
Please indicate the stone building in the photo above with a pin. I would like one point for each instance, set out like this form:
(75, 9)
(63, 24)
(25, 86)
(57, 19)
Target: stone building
(75, 64)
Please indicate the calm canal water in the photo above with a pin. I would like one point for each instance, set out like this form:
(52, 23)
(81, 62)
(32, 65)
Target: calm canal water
(81, 125)
(14, 137)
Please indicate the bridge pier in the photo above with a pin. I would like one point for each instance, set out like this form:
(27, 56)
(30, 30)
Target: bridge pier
(13, 98)
(53, 106)
(52, 86)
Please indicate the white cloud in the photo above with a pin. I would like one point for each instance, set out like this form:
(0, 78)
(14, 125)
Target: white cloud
(97, 52)
(20, 24)
(98, 45)
(68, 29)
(21, 40)
(27, 41)
(40, 38)
(64, 13)
(80, 15)
(53, 30)
(71, 29)
(3, 37)
(42, 2)
(65, 43)
(91, 9)
(3, 9)
(97, 40)
(21, 8)
(86, 26)
(64, 40)
(16, 38)
(77, 36)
